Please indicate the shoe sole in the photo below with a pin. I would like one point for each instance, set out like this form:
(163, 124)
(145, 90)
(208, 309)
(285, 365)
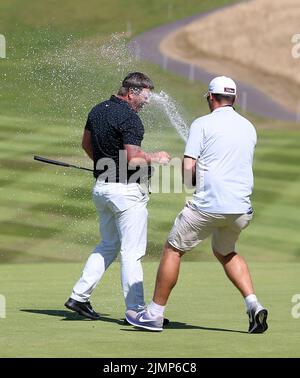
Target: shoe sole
(80, 312)
(149, 328)
(260, 322)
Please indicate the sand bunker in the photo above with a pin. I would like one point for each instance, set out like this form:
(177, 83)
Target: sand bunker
(251, 41)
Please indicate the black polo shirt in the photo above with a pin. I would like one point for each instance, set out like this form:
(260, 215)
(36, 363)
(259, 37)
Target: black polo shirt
(112, 124)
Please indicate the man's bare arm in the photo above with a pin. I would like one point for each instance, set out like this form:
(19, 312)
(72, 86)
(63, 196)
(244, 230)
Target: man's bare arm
(136, 156)
(87, 143)
(189, 171)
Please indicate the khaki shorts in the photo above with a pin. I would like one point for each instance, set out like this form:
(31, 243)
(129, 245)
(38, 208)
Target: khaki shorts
(192, 226)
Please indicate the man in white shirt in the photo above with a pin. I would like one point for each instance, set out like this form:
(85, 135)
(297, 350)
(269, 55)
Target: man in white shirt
(218, 158)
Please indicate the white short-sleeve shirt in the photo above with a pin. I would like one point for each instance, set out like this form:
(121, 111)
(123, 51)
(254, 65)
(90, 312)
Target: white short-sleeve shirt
(223, 143)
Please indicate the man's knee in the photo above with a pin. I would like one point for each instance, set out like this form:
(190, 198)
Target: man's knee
(170, 249)
(108, 248)
(224, 258)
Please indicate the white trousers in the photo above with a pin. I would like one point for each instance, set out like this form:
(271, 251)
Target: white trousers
(123, 215)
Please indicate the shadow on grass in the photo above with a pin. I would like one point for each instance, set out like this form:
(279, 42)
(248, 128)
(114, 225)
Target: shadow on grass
(66, 315)
(180, 325)
(73, 316)
(69, 315)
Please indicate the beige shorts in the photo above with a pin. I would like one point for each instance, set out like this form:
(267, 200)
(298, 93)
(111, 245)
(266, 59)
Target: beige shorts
(192, 226)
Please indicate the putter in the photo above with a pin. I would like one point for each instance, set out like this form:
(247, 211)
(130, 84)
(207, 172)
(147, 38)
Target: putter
(150, 169)
(61, 163)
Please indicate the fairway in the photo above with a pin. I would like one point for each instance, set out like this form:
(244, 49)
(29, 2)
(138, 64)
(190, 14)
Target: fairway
(46, 212)
(62, 59)
(207, 315)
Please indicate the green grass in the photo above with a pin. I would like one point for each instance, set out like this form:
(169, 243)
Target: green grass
(53, 74)
(207, 314)
(47, 212)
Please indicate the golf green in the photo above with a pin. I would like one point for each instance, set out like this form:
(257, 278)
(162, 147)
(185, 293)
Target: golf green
(207, 314)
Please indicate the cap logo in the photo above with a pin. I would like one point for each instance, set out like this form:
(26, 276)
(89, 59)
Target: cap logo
(229, 90)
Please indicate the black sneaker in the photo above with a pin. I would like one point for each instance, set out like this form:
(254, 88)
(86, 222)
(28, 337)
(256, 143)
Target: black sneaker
(82, 308)
(257, 320)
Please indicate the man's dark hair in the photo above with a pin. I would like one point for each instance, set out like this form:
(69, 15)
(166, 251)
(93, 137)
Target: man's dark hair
(224, 99)
(137, 81)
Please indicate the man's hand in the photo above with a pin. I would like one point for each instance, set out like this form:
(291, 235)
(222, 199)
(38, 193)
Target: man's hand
(163, 157)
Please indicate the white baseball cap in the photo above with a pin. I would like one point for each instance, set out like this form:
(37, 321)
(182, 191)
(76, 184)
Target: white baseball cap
(222, 85)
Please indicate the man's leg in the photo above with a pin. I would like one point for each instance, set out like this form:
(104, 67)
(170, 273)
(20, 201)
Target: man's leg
(167, 274)
(166, 279)
(190, 228)
(100, 259)
(132, 228)
(237, 271)
(184, 235)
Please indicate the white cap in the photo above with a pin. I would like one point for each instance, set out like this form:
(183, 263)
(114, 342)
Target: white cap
(222, 85)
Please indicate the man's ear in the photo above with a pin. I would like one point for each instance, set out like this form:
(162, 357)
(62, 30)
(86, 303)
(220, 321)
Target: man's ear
(130, 92)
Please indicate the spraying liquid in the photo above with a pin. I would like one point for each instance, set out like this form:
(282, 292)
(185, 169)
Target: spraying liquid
(59, 85)
(71, 79)
(168, 104)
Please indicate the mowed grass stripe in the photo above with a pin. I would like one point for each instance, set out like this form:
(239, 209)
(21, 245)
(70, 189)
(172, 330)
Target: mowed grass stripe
(58, 196)
(61, 198)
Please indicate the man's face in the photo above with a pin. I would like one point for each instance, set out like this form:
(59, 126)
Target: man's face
(138, 98)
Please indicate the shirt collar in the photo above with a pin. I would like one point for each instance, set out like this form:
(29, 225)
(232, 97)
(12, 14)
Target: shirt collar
(224, 108)
(118, 100)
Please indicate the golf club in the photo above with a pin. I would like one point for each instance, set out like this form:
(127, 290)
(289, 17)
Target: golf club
(61, 163)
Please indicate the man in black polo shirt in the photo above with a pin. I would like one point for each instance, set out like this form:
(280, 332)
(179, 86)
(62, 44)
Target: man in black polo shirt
(112, 139)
